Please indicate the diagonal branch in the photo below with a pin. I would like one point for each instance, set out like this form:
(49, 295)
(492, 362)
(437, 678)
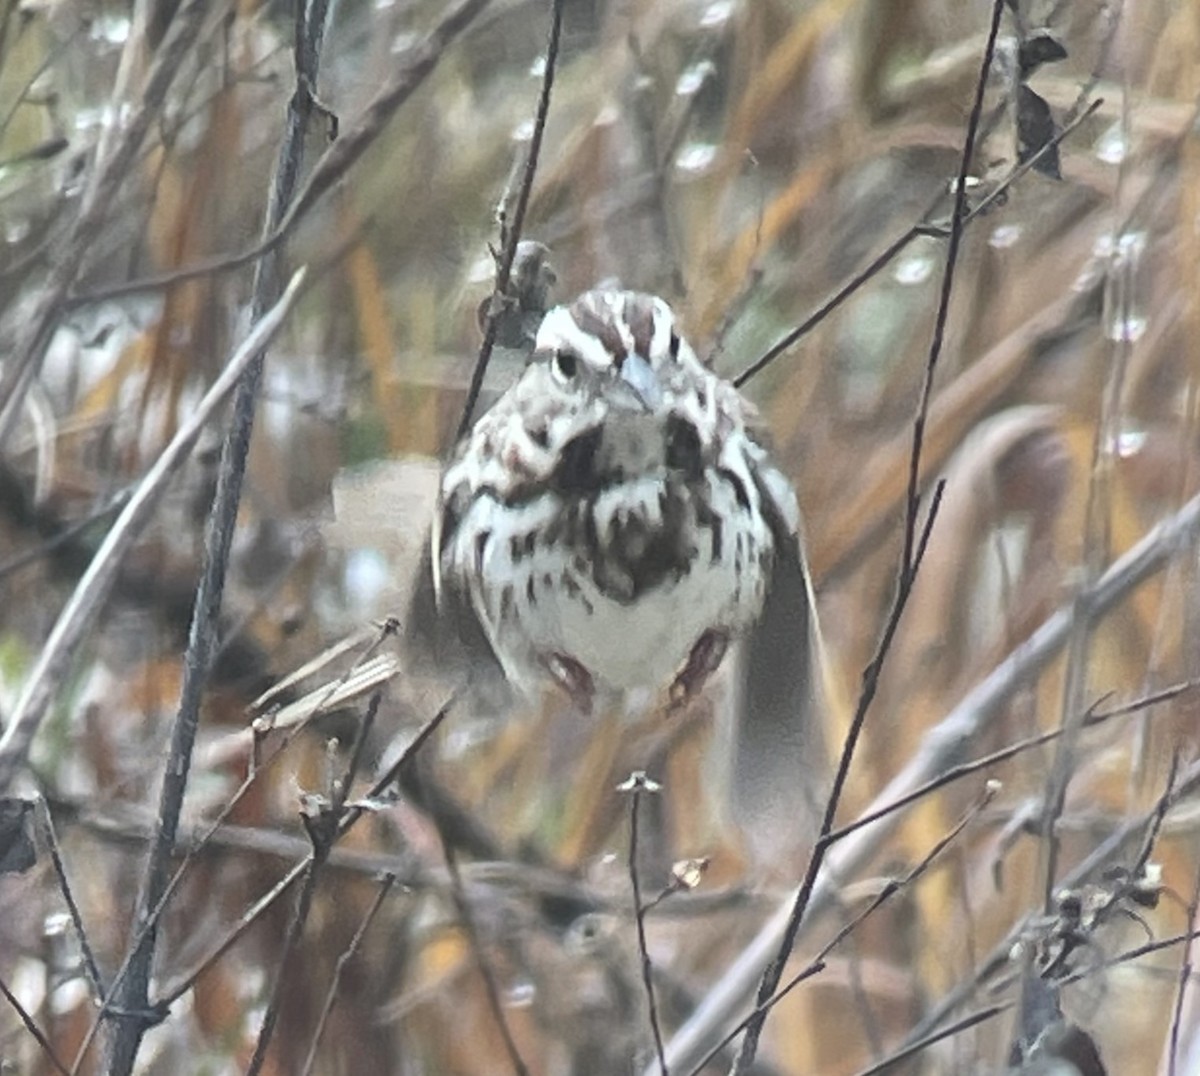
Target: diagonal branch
(941, 747)
(80, 612)
(112, 170)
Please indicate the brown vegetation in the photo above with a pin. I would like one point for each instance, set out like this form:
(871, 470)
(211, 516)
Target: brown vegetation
(463, 904)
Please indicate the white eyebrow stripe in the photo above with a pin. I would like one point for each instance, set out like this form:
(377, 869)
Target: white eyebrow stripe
(617, 317)
(558, 329)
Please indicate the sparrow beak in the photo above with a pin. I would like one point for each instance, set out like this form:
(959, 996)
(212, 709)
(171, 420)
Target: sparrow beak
(638, 388)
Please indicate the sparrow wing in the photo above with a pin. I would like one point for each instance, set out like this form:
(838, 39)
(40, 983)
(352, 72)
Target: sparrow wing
(443, 633)
(779, 758)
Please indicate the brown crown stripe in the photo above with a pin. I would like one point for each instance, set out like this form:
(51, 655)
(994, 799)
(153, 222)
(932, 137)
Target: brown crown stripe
(602, 328)
(639, 316)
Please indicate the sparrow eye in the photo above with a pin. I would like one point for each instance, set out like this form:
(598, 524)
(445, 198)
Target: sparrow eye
(566, 364)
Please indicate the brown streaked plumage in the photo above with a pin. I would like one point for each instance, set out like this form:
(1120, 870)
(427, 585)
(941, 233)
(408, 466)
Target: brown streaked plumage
(614, 521)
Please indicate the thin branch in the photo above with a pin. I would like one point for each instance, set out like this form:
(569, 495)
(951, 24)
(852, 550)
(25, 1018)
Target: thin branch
(894, 248)
(32, 1027)
(131, 998)
(77, 617)
(513, 228)
(85, 946)
(411, 68)
(886, 893)
(915, 542)
(111, 171)
(637, 785)
(81, 611)
(385, 887)
(291, 938)
(322, 816)
(1003, 754)
(1156, 945)
(183, 982)
(487, 973)
(197, 842)
(1000, 955)
(1185, 975)
(790, 339)
(957, 220)
(537, 883)
(1095, 537)
(940, 747)
(965, 1024)
(773, 971)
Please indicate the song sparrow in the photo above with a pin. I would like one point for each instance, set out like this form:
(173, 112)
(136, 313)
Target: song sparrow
(615, 520)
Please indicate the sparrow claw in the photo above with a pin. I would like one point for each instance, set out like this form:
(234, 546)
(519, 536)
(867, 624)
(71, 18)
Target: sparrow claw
(702, 662)
(573, 678)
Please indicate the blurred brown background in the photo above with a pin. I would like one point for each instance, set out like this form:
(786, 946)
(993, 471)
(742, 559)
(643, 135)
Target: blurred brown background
(745, 159)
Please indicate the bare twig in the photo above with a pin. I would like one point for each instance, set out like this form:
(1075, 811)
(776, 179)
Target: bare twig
(85, 946)
(131, 997)
(197, 842)
(182, 983)
(1185, 975)
(534, 882)
(893, 249)
(112, 170)
(487, 973)
(957, 220)
(1156, 945)
(1095, 546)
(913, 1049)
(940, 748)
(385, 887)
(32, 1027)
(513, 228)
(638, 785)
(887, 892)
(773, 971)
(79, 614)
(322, 815)
(322, 835)
(1003, 754)
(1101, 856)
(915, 540)
(411, 68)
(791, 338)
